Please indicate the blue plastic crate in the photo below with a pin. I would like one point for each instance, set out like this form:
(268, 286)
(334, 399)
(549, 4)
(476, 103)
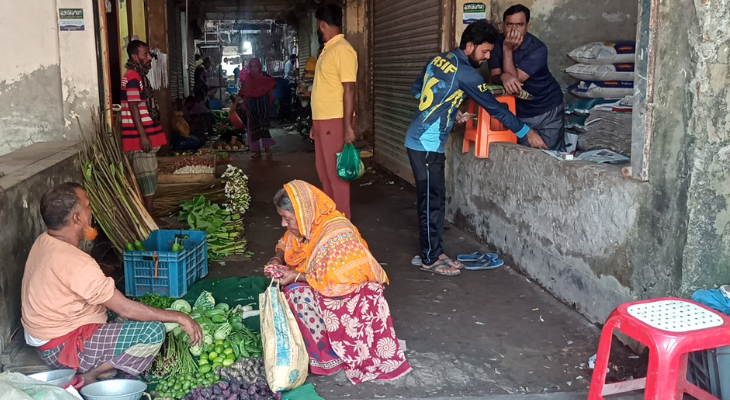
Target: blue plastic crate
(176, 272)
(710, 371)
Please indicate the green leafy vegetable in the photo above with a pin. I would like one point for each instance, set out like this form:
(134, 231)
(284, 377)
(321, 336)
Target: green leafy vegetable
(221, 333)
(170, 326)
(205, 301)
(156, 300)
(196, 350)
(181, 306)
(224, 229)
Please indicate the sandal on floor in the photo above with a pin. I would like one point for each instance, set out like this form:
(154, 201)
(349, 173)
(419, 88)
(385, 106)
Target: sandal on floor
(451, 263)
(476, 257)
(438, 269)
(487, 264)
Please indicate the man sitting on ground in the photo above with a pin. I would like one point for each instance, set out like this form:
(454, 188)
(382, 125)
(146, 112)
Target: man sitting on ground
(65, 297)
(520, 61)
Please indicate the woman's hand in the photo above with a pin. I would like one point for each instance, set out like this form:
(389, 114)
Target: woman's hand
(275, 261)
(288, 277)
(274, 271)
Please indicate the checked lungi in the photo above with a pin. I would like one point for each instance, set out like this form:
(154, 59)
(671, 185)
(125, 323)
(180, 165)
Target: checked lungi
(144, 166)
(127, 346)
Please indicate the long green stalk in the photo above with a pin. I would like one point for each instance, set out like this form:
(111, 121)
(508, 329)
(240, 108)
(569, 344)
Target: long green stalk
(115, 197)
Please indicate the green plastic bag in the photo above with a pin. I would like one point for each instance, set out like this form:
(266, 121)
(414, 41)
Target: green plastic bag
(349, 164)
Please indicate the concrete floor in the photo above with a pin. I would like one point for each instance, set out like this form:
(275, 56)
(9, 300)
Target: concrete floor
(480, 335)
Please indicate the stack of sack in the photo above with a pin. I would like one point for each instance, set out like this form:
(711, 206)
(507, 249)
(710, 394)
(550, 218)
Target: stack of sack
(606, 70)
(602, 119)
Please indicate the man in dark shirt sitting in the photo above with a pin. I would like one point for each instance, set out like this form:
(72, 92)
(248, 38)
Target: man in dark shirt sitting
(520, 62)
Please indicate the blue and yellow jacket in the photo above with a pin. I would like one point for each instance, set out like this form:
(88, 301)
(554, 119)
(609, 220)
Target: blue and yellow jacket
(440, 89)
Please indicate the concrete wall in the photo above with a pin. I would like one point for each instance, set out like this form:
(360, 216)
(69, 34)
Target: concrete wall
(47, 77)
(564, 25)
(595, 239)
(356, 21)
(29, 173)
(693, 99)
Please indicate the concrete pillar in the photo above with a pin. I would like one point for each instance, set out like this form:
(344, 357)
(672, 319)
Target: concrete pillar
(157, 30)
(356, 21)
(79, 72)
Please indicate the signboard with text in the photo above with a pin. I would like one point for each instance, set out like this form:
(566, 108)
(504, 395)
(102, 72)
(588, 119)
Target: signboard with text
(71, 19)
(468, 11)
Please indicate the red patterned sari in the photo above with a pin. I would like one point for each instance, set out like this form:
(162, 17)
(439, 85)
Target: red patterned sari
(342, 313)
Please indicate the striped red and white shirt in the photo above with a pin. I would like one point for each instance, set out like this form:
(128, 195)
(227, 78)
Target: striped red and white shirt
(134, 92)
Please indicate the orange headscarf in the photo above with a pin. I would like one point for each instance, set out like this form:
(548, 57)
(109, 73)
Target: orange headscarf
(330, 251)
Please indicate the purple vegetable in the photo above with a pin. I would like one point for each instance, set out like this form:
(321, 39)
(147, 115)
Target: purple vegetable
(277, 396)
(223, 385)
(252, 390)
(233, 397)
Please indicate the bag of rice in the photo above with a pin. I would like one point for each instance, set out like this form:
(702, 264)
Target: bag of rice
(605, 53)
(609, 72)
(608, 90)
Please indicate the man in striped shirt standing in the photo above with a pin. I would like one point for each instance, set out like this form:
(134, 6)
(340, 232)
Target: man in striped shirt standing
(142, 134)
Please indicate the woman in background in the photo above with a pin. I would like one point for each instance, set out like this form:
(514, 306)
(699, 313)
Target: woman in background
(256, 93)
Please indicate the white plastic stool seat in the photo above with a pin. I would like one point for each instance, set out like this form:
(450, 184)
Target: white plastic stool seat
(675, 316)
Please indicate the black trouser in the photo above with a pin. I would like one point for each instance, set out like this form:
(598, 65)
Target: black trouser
(428, 170)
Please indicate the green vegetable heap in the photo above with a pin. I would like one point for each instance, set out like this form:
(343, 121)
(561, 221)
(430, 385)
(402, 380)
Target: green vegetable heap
(156, 300)
(226, 341)
(223, 229)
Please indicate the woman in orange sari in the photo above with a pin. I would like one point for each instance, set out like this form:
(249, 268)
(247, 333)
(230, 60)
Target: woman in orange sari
(335, 289)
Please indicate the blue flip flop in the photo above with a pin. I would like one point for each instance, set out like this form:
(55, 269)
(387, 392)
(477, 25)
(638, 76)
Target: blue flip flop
(476, 257)
(489, 264)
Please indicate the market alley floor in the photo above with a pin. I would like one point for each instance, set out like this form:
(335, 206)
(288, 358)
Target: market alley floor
(475, 335)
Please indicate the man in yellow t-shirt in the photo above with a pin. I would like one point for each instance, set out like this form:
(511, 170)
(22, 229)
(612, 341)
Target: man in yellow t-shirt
(333, 103)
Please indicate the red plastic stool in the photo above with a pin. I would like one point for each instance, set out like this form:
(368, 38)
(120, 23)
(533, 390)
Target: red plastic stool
(671, 328)
(484, 130)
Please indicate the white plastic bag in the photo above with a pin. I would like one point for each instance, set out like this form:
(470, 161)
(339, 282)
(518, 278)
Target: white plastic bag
(285, 354)
(14, 386)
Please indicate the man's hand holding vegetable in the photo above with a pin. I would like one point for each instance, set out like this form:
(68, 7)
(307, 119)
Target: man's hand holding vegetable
(139, 312)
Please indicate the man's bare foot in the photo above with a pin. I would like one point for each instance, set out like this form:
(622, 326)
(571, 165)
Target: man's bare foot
(451, 263)
(104, 371)
(88, 378)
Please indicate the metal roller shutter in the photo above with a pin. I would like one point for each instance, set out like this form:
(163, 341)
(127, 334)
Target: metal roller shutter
(406, 34)
(191, 59)
(175, 59)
